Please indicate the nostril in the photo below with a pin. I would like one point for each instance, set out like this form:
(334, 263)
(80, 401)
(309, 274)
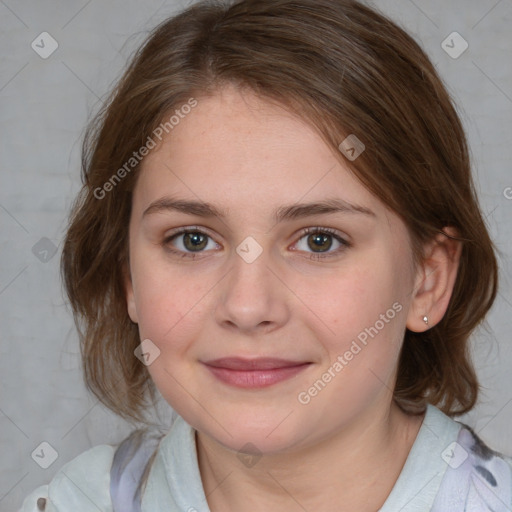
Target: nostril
(41, 504)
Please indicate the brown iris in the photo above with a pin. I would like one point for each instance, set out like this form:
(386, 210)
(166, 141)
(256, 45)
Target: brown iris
(320, 241)
(195, 241)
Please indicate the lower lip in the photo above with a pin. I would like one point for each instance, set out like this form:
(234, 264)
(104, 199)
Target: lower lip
(255, 378)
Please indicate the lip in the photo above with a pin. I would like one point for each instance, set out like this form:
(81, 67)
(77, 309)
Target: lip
(254, 373)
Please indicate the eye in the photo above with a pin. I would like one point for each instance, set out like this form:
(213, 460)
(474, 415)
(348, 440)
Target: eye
(320, 241)
(189, 241)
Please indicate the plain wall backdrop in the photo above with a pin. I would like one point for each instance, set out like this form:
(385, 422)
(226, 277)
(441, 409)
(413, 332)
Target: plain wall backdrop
(44, 106)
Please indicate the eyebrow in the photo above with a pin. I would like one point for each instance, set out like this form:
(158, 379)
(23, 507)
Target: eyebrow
(283, 213)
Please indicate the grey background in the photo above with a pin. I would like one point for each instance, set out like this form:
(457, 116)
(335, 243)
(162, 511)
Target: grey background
(45, 104)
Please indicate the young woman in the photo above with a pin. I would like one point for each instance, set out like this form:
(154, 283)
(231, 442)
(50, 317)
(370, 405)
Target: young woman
(278, 232)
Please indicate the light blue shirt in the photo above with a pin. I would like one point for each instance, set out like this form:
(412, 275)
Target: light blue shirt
(448, 470)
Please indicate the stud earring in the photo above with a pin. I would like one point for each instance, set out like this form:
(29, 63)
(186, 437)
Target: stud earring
(425, 319)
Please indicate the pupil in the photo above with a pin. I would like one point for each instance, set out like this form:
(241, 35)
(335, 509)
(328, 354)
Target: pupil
(320, 241)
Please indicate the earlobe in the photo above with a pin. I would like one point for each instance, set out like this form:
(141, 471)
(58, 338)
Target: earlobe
(435, 281)
(130, 296)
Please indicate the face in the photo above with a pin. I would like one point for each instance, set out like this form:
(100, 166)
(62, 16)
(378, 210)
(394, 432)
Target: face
(276, 323)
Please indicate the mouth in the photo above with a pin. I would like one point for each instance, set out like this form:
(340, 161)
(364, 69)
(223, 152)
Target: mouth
(254, 373)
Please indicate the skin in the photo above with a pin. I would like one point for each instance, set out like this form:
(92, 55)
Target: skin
(345, 449)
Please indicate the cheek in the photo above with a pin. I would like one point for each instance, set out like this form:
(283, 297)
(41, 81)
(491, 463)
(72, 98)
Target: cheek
(348, 303)
(171, 309)
(170, 304)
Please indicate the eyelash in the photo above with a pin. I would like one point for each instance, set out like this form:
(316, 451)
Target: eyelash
(303, 233)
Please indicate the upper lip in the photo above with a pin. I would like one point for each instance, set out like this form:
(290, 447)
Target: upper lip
(261, 363)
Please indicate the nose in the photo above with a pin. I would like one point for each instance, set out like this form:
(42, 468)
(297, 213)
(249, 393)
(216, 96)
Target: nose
(252, 299)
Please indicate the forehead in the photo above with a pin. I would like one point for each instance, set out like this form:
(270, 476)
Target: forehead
(238, 150)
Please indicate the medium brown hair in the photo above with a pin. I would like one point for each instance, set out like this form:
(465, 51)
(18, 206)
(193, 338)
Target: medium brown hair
(344, 68)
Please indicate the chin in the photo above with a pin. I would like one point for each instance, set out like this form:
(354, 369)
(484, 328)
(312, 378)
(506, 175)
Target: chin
(260, 435)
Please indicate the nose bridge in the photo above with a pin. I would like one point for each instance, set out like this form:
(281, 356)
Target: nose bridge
(252, 296)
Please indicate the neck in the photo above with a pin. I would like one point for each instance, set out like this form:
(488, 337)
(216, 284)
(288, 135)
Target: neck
(355, 468)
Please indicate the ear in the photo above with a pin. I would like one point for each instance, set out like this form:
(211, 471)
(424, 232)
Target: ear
(130, 296)
(435, 280)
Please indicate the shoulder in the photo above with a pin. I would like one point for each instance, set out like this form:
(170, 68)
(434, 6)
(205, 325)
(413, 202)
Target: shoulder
(81, 484)
(98, 477)
(477, 477)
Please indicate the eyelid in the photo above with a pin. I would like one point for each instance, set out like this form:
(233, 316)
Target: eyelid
(186, 229)
(323, 229)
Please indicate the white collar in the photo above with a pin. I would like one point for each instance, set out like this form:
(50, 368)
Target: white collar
(175, 484)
